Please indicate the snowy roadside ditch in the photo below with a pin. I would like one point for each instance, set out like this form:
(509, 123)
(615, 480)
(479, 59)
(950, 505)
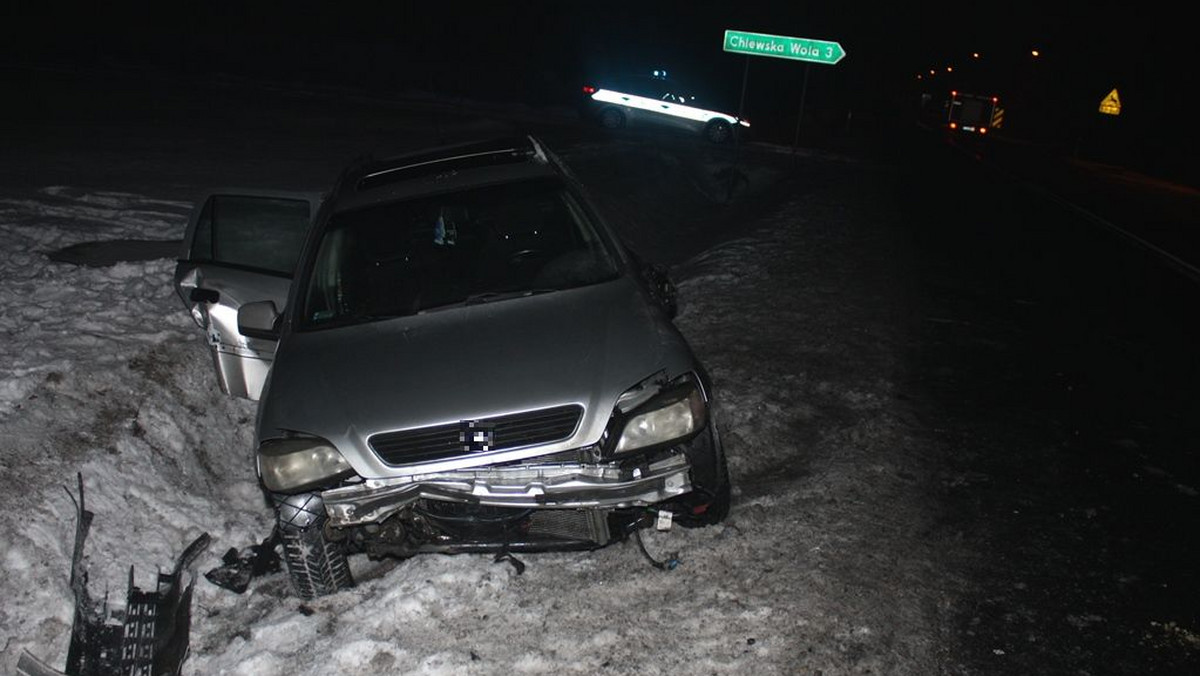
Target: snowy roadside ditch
(821, 566)
(98, 376)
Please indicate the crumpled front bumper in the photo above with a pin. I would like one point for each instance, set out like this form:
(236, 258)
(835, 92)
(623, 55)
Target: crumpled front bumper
(552, 486)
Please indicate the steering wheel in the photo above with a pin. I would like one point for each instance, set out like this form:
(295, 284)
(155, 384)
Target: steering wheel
(522, 256)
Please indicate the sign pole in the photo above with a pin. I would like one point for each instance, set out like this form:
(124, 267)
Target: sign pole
(737, 144)
(800, 115)
(742, 100)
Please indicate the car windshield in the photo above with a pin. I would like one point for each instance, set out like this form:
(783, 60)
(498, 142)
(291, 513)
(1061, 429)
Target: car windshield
(473, 246)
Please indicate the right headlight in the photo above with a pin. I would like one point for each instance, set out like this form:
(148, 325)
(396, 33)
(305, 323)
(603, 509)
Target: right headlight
(298, 464)
(676, 413)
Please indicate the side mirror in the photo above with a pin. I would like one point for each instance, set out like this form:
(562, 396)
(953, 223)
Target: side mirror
(259, 320)
(662, 289)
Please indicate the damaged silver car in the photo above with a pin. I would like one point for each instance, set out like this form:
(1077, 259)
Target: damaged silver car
(453, 353)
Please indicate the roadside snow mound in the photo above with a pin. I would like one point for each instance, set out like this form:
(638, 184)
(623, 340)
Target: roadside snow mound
(103, 373)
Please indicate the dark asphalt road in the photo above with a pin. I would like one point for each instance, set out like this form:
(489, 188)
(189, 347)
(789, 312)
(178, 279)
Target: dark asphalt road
(1059, 359)
(1158, 215)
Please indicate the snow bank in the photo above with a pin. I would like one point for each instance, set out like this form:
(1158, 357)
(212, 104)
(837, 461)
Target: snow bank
(99, 376)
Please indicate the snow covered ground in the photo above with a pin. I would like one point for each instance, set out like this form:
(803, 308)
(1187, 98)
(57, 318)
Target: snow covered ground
(822, 566)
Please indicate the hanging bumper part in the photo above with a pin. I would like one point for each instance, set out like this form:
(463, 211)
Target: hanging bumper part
(562, 486)
(148, 638)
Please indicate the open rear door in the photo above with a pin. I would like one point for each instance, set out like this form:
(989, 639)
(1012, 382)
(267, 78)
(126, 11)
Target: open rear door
(241, 247)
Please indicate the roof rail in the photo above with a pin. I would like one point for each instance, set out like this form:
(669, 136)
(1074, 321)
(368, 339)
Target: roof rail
(487, 153)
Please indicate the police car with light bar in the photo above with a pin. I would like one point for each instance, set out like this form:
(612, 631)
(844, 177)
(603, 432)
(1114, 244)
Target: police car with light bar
(656, 100)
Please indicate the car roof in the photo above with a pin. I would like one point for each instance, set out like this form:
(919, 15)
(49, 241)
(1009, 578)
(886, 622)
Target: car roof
(442, 169)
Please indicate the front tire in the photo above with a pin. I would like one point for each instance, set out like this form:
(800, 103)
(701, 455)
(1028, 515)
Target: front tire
(712, 494)
(718, 131)
(718, 506)
(316, 564)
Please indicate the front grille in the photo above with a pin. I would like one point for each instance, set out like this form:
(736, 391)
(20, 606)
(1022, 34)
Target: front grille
(427, 444)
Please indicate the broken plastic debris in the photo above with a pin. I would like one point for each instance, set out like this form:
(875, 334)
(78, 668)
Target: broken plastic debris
(151, 639)
(238, 568)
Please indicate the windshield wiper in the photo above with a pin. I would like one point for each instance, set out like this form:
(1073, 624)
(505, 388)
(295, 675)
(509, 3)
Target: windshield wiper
(486, 297)
(489, 296)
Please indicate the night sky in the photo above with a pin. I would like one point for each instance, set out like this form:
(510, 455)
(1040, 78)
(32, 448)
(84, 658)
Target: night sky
(540, 53)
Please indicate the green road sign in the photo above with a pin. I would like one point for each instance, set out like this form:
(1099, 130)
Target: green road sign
(782, 47)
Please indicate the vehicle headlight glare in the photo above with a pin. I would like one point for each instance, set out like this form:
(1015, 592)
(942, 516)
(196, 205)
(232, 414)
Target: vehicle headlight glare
(675, 414)
(291, 465)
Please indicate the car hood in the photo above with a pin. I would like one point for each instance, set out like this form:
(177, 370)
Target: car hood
(580, 346)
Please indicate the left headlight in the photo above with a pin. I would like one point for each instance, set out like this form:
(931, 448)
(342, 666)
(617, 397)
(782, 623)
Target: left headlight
(672, 415)
(297, 464)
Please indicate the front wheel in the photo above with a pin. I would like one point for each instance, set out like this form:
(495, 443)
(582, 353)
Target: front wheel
(315, 563)
(709, 502)
(718, 506)
(718, 131)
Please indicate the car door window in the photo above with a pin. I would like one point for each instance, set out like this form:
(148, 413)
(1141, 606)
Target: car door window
(251, 232)
(641, 86)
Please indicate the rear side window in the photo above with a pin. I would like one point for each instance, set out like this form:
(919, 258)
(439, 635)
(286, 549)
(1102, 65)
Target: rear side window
(252, 232)
(645, 86)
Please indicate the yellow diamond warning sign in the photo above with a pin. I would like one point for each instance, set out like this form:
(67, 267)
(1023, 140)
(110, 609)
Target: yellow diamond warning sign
(1111, 105)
